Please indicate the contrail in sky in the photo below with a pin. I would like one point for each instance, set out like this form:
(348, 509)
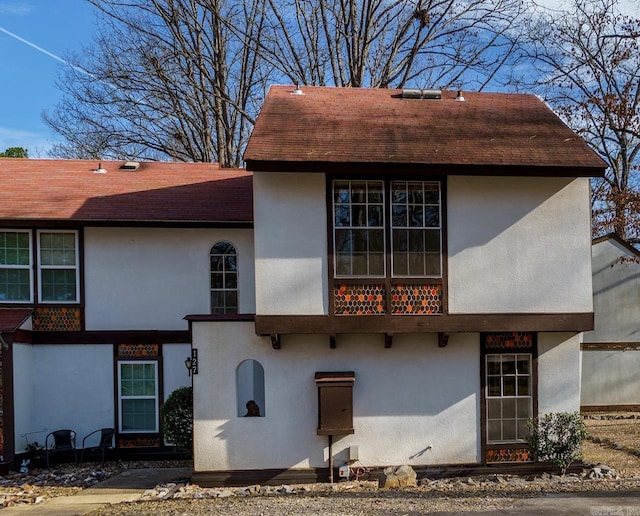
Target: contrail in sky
(40, 49)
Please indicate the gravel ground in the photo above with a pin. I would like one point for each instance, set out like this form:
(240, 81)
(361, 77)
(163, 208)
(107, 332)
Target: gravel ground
(613, 441)
(490, 493)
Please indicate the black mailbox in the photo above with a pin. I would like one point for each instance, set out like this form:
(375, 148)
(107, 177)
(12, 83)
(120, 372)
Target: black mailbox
(335, 402)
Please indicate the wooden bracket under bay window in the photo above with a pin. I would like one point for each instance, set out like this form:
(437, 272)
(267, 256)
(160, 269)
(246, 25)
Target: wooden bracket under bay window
(276, 342)
(332, 341)
(443, 339)
(388, 340)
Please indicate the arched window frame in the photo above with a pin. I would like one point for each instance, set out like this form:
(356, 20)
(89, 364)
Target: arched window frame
(223, 282)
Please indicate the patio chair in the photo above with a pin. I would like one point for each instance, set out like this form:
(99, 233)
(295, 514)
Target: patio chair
(60, 442)
(106, 443)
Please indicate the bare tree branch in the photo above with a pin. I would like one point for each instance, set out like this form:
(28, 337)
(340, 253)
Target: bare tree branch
(588, 68)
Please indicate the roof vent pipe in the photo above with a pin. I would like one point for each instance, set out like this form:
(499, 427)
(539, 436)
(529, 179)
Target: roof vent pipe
(459, 97)
(413, 93)
(99, 170)
(297, 91)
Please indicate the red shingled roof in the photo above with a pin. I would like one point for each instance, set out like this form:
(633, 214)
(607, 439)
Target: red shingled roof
(12, 318)
(355, 125)
(34, 189)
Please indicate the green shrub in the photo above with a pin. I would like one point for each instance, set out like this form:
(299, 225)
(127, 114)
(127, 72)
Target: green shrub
(176, 417)
(556, 438)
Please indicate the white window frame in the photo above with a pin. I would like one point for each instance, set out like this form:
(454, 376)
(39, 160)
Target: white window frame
(224, 272)
(155, 397)
(29, 266)
(75, 267)
(528, 398)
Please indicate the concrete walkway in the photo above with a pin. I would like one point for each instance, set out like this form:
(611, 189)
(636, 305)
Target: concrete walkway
(124, 487)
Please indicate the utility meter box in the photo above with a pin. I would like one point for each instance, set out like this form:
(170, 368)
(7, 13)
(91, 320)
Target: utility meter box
(335, 402)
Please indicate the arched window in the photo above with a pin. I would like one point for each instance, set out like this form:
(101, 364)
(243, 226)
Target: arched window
(224, 279)
(250, 389)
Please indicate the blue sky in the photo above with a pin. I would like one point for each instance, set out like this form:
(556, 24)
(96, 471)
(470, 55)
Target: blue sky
(27, 75)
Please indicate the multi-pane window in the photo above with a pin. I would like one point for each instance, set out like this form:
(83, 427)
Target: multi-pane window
(224, 279)
(138, 396)
(15, 266)
(58, 265)
(359, 228)
(509, 396)
(416, 230)
(361, 214)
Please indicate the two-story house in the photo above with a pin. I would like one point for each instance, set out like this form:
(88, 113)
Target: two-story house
(99, 263)
(398, 276)
(422, 265)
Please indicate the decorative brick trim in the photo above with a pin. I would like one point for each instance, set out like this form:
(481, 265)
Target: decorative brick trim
(414, 299)
(138, 350)
(515, 340)
(508, 455)
(359, 299)
(57, 318)
(139, 442)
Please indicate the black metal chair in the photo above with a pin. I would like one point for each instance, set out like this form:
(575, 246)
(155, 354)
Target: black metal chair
(106, 443)
(60, 442)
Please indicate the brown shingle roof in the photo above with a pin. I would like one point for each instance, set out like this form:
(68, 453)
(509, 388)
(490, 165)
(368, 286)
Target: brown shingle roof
(12, 318)
(353, 125)
(34, 189)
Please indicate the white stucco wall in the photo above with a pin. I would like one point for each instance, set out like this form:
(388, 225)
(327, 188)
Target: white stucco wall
(290, 243)
(150, 278)
(174, 372)
(559, 371)
(616, 291)
(518, 244)
(62, 386)
(405, 399)
(72, 386)
(610, 377)
(515, 244)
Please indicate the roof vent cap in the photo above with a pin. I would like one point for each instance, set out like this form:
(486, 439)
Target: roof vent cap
(130, 165)
(414, 93)
(297, 91)
(459, 97)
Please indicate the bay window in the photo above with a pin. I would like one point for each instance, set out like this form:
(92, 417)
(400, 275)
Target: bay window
(387, 247)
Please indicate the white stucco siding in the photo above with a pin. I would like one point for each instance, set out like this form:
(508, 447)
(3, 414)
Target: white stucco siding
(559, 371)
(415, 403)
(72, 386)
(149, 279)
(616, 291)
(62, 386)
(518, 244)
(174, 372)
(290, 243)
(610, 377)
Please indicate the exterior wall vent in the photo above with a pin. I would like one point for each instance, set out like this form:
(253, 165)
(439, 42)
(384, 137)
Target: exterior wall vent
(414, 93)
(130, 165)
